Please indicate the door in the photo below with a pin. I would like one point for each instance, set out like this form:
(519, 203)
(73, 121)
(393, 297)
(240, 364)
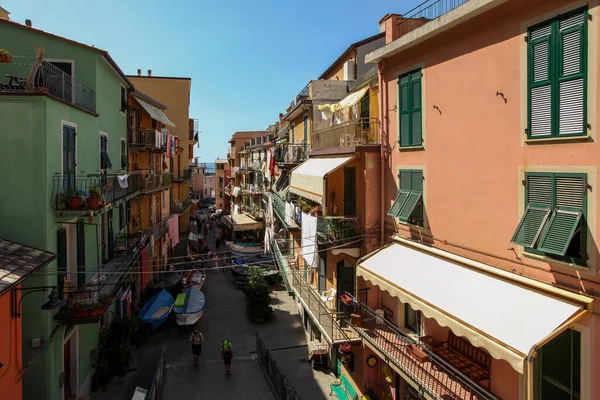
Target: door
(69, 162)
(345, 279)
(67, 369)
(80, 254)
(322, 270)
(349, 191)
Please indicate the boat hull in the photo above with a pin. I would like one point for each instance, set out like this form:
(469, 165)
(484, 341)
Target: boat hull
(188, 319)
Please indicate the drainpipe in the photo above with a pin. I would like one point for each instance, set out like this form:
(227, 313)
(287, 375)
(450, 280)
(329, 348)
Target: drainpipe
(382, 106)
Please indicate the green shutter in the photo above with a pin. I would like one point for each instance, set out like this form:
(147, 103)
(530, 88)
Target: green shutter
(410, 205)
(558, 368)
(405, 177)
(404, 111)
(61, 252)
(540, 189)
(571, 75)
(560, 231)
(541, 78)
(399, 203)
(416, 180)
(81, 281)
(415, 111)
(410, 118)
(530, 226)
(570, 191)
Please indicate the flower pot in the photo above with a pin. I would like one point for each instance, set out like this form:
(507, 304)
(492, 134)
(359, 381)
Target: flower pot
(346, 299)
(5, 59)
(93, 203)
(74, 203)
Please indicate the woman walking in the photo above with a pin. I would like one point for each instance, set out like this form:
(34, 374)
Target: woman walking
(196, 340)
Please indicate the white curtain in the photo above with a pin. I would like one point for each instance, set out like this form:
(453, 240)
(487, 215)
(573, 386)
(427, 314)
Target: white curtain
(309, 240)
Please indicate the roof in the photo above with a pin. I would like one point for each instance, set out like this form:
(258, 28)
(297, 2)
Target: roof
(148, 99)
(246, 135)
(4, 9)
(349, 49)
(18, 261)
(159, 77)
(104, 53)
(221, 161)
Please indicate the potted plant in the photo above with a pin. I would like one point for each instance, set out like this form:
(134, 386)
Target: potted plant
(5, 56)
(74, 201)
(95, 198)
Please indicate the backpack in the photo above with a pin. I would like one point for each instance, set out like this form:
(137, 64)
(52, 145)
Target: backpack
(225, 346)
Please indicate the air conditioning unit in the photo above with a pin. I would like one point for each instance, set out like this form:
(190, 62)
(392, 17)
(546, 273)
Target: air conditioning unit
(349, 69)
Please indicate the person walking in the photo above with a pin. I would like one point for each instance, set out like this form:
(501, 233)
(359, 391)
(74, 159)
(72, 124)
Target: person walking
(227, 355)
(218, 243)
(196, 339)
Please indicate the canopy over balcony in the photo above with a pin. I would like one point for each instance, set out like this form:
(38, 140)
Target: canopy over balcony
(506, 314)
(155, 112)
(307, 178)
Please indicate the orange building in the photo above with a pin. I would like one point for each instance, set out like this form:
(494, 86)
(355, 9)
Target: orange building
(17, 263)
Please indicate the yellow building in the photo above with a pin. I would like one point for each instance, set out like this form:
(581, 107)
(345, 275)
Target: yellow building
(174, 93)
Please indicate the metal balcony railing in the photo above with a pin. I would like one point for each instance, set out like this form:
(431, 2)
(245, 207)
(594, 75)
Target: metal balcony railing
(182, 174)
(303, 95)
(290, 154)
(193, 129)
(146, 137)
(279, 207)
(26, 74)
(436, 377)
(73, 192)
(363, 131)
(156, 181)
(424, 13)
(179, 207)
(339, 230)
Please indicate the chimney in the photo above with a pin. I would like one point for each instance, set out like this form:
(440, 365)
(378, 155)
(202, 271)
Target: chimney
(139, 72)
(388, 24)
(149, 72)
(28, 22)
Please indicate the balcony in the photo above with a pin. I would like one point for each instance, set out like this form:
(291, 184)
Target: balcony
(289, 221)
(146, 139)
(435, 376)
(289, 155)
(158, 229)
(301, 101)
(251, 188)
(182, 175)
(71, 195)
(339, 231)
(88, 304)
(351, 134)
(179, 207)
(22, 76)
(154, 182)
(193, 129)
(329, 321)
(425, 12)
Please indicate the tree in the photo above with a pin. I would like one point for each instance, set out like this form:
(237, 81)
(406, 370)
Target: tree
(258, 298)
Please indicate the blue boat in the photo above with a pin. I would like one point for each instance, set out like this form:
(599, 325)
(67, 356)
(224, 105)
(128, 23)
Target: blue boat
(157, 309)
(189, 306)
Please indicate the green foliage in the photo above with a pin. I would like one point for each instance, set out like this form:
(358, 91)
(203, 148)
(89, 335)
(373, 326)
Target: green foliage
(257, 292)
(5, 53)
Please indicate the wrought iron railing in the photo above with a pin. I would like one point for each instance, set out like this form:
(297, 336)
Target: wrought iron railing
(363, 131)
(434, 375)
(156, 181)
(146, 137)
(279, 206)
(193, 129)
(26, 74)
(179, 207)
(74, 193)
(338, 230)
(182, 174)
(280, 384)
(303, 95)
(424, 13)
(290, 153)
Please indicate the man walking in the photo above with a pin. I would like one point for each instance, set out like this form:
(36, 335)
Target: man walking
(227, 355)
(196, 340)
(218, 243)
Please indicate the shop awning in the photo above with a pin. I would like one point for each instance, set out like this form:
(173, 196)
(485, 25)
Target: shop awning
(307, 178)
(155, 112)
(506, 314)
(347, 101)
(242, 222)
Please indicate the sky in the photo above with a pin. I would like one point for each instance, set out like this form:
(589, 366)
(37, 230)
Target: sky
(247, 59)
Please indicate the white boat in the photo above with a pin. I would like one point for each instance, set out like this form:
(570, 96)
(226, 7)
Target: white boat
(195, 278)
(238, 248)
(189, 306)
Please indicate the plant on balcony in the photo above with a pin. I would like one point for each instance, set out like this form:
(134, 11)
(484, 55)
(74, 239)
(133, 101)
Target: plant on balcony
(258, 298)
(94, 201)
(5, 56)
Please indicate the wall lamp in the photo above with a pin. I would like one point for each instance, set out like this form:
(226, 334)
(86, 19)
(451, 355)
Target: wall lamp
(53, 304)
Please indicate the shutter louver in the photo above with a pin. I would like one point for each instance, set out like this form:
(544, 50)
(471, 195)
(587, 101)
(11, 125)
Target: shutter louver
(530, 226)
(398, 203)
(409, 206)
(559, 371)
(559, 232)
(540, 86)
(416, 109)
(416, 181)
(539, 190)
(570, 192)
(403, 108)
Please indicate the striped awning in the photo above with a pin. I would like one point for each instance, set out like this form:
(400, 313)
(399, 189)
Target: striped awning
(308, 178)
(155, 112)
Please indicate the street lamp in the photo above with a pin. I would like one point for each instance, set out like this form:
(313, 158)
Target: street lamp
(53, 304)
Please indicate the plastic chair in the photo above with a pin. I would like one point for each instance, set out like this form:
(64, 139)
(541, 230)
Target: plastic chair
(328, 296)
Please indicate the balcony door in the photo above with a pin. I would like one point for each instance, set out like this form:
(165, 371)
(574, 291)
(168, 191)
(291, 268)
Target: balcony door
(349, 191)
(345, 279)
(322, 260)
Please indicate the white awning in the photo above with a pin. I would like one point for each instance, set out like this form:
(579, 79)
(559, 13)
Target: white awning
(242, 222)
(504, 313)
(347, 101)
(307, 178)
(155, 112)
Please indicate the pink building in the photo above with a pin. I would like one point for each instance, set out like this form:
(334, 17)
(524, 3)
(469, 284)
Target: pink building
(486, 282)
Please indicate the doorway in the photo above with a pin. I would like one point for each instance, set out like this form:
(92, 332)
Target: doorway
(345, 279)
(70, 368)
(322, 270)
(349, 191)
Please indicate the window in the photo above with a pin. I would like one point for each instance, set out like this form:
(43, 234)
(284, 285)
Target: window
(408, 206)
(123, 99)
(104, 159)
(412, 319)
(557, 77)
(122, 216)
(220, 193)
(124, 160)
(409, 109)
(293, 128)
(554, 219)
(557, 368)
(205, 192)
(69, 158)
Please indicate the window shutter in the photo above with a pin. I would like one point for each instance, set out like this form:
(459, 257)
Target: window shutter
(61, 251)
(558, 375)
(571, 75)
(559, 231)
(415, 112)
(80, 254)
(540, 81)
(530, 226)
(416, 180)
(399, 203)
(106, 160)
(404, 110)
(411, 203)
(539, 189)
(570, 192)
(405, 177)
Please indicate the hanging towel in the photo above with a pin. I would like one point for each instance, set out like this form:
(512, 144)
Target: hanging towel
(176, 146)
(157, 138)
(174, 231)
(122, 179)
(309, 240)
(168, 146)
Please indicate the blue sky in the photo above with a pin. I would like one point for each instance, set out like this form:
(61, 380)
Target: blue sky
(247, 59)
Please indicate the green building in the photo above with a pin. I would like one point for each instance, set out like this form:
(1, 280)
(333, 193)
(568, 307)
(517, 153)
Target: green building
(64, 140)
